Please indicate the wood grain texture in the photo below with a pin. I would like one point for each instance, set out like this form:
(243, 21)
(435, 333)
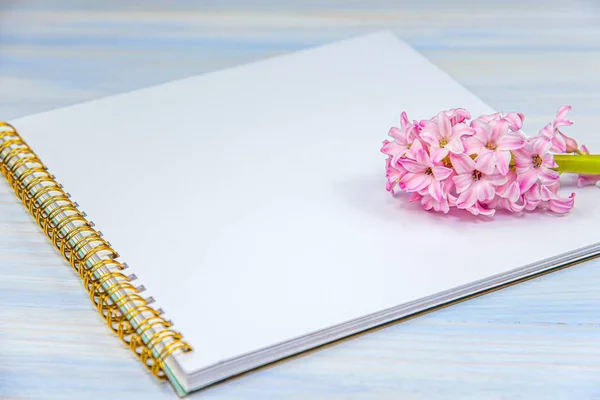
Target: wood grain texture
(536, 340)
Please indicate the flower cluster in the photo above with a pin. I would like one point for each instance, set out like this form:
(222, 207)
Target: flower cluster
(480, 165)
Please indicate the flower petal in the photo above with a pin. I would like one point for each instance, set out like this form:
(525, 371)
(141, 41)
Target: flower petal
(548, 161)
(587, 180)
(562, 206)
(394, 170)
(561, 117)
(430, 133)
(547, 194)
(510, 142)
(444, 125)
(427, 202)
(496, 179)
(524, 155)
(472, 145)
(541, 147)
(533, 198)
(437, 154)
(390, 186)
(531, 205)
(515, 120)
(414, 197)
(563, 111)
(387, 147)
(429, 139)
(483, 131)
(554, 187)
(584, 149)
(462, 129)
(548, 176)
(458, 115)
(440, 173)
(503, 161)
(559, 144)
(423, 158)
(510, 206)
(467, 198)
(533, 194)
(397, 157)
(412, 166)
(482, 210)
(513, 194)
(393, 149)
(546, 132)
(455, 145)
(435, 190)
(485, 191)
(473, 210)
(570, 142)
(499, 129)
(462, 163)
(415, 147)
(462, 182)
(527, 179)
(485, 162)
(443, 207)
(414, 182)
(403, 119)
(397, 133)
(488, 118)
(522, 169)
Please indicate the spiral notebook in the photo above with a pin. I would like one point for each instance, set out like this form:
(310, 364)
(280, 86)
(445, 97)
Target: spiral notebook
(250, 207)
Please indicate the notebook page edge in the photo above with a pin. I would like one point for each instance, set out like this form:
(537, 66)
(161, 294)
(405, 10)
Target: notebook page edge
(216, 373)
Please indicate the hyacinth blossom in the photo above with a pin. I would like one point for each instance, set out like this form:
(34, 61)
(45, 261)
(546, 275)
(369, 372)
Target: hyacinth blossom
(485, 164)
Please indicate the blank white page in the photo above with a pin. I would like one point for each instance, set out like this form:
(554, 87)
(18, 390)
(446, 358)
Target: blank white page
(251, 202)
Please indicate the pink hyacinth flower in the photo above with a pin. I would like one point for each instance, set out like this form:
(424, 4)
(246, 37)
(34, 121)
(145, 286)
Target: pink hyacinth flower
(560, 143)
(457, 115)
(515, 207)
(425, 171)
(509, 195)
(440, 133)
(533, 162)
(587, 180)
(417, 126)
(393, 174)
(403, 140)
(514, 120)
(560, 121)
(493, 141)
(510, 190)
(430, 203)
(557, 141)
(532, 197)
(555, 203)
(571, 143)
(476, 180)
(452, 161)
(561, 117)
(481, 209)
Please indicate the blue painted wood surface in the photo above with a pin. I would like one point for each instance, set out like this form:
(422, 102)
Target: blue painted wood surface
(536, 340)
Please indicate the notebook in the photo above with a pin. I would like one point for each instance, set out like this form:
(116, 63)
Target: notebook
(226, 221)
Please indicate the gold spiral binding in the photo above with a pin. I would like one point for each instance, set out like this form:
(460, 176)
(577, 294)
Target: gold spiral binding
(118, 300)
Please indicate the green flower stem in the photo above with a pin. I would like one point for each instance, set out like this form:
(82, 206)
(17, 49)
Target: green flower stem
(578, 164)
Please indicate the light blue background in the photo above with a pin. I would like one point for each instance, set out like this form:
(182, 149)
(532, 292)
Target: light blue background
(536, 340)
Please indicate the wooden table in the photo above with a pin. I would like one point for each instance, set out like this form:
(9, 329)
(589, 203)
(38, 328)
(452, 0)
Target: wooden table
(536, 340)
